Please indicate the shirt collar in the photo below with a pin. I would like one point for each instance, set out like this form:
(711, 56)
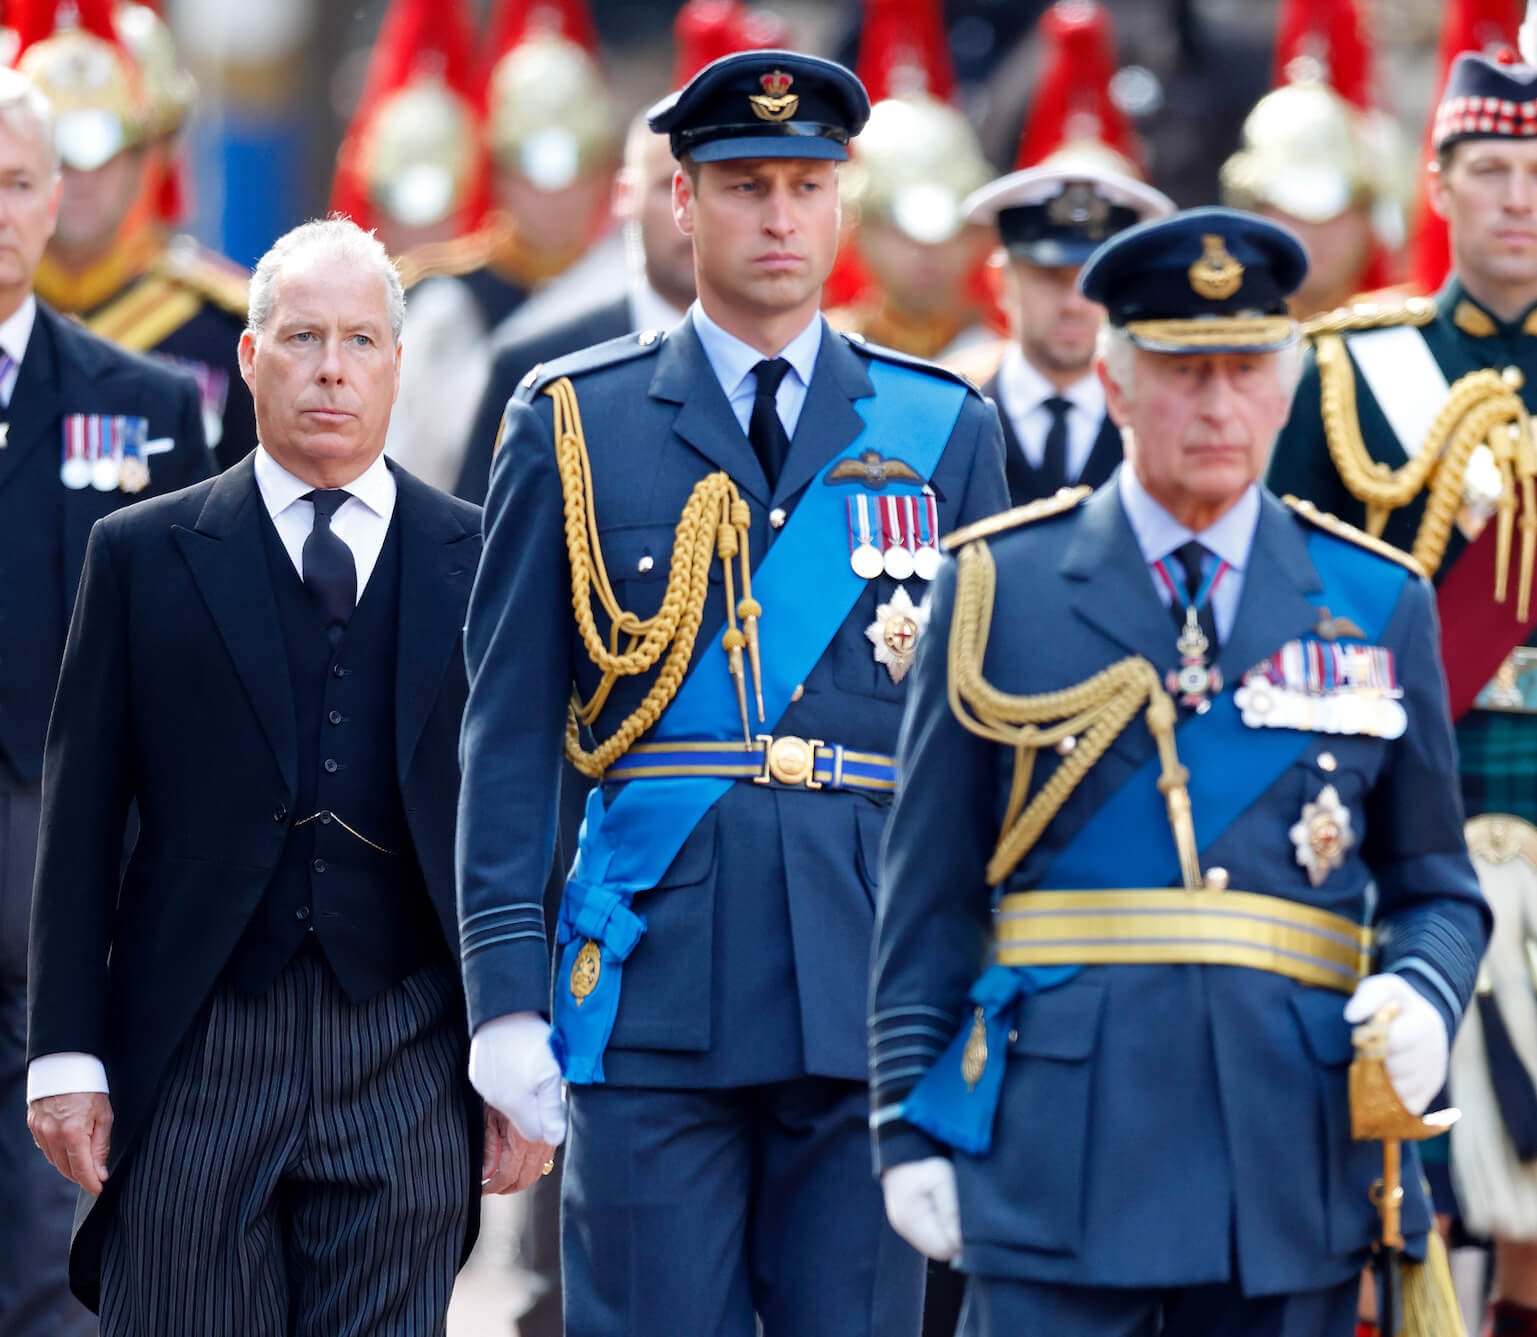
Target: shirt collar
(374, 487)
(1026, 389)
(16, 330)
(733, 361)
(1158, 533)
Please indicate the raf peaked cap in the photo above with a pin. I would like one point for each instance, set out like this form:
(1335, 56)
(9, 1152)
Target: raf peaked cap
(1058, 215)
(1202, 281)
(1486, 99)
(764, 104)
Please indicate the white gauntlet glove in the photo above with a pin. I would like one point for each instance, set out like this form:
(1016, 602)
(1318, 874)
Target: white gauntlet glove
(1418, 1045)
(922, 1207)
(513, 1069)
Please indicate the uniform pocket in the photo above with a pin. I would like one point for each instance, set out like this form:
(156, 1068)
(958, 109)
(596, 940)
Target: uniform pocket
(1029, 1190)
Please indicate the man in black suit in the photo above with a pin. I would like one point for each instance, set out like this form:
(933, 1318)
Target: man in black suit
(269, 665)
(1050, 219)
(84, 430)
(661, 261)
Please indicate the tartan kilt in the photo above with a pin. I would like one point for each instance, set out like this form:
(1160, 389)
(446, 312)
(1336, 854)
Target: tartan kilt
(1497, 763)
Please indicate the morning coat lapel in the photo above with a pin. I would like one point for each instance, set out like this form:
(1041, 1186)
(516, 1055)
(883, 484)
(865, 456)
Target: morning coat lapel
(225, 554)
(37, 401)
(1274, 607)
(1115, 593)
(828, 419)
(437, 565)
(684, 377)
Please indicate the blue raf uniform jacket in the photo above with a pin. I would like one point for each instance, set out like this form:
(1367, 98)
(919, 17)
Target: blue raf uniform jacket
(753, 966)
(1160, 1125)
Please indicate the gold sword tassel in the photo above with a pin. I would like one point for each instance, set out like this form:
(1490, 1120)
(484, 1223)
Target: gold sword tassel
(749, 609)
(727, 545)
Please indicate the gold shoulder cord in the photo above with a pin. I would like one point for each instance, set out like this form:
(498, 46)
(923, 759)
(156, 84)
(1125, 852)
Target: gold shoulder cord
(715, 521)
(1482, 408)
(1095, 711)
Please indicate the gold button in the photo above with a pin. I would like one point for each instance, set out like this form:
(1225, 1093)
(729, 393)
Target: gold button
(647, 338)
(1216, 879)
(777, 518)
(800, 691)
(1326, 761)
(1066, 745)
(645, 563)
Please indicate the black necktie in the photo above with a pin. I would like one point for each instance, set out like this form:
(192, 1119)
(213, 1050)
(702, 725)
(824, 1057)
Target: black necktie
(1192, 559)
(764, 429)
(330, 574)
(1054, 458)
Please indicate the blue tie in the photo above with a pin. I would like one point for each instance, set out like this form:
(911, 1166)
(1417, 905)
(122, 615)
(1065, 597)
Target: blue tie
(330, 574)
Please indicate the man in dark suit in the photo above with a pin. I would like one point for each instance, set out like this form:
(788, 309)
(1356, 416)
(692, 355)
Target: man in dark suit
(1050, 218)
(84, 430)
(718, 1176)
(661, 287)
(269, 666)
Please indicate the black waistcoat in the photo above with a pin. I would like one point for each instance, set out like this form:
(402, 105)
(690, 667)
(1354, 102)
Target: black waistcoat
(348, 881)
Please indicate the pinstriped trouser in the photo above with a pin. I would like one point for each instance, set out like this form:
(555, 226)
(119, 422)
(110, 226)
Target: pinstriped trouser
(307, 1171)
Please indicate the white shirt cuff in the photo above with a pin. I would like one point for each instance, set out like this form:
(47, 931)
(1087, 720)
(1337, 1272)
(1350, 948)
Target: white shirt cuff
(64, 1074)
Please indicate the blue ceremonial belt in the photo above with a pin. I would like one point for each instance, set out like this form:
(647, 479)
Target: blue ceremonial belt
(806, 589)
(1127, 843)
(833, 767)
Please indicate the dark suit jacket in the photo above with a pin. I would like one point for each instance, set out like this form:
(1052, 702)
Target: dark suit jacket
(1025, 481)
(68, 370)
(513, 363)
(175, 695)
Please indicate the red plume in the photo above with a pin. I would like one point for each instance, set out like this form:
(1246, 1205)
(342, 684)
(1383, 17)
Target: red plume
(1471, 25)
(1072, 99)
(903, 48)
(513, 21)
(418, 39)
(1329, 32)
(706, 30)
(35, 20)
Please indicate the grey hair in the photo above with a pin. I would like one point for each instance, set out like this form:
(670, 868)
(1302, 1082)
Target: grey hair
(1115, 349)
(25, 108)
(336, 239)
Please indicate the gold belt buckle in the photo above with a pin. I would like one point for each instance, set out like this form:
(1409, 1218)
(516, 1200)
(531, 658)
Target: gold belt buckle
(788, 760)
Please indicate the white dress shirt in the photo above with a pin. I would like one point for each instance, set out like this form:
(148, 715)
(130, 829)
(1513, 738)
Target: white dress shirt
(733, 361)
(15, 335)
(361, 523)
(1231, 538)
(1023, 393)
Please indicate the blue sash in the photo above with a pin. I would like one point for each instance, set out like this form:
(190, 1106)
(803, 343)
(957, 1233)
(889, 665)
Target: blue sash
(1127, 842)
(806, 588)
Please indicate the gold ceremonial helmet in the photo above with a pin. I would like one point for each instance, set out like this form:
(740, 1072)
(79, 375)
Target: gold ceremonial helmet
(549, 115)
(96, 94)
(914, 163)
(418, 153)
(1303, 152)
(169, 90)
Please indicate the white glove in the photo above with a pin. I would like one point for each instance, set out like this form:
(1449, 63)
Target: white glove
(1418, 1044)
(922, 1206)
(513, 1069)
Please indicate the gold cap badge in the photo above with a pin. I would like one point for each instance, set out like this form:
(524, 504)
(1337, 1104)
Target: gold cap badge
(776, 102)
(1216, 275)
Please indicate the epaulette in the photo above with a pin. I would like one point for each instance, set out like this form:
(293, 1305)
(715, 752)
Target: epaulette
(862, 345)
(608, 354)
(211, 276)
(1342, 529)
(147, 314)
(1064, 500)
(450, 259)
(1371, 316)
